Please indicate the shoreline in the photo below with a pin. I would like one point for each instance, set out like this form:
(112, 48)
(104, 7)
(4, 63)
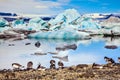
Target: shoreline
(78, 72)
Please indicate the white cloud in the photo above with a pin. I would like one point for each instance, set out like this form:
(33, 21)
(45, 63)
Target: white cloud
(39, 6)
(32, 6)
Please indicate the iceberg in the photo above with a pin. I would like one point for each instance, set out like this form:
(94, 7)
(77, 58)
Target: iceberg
(66, 17)
(17, 22)
(3, 22)
(111, 24)
(89, 24)
(37, 24)
(71, 19)
(4, 28)
(60, 34)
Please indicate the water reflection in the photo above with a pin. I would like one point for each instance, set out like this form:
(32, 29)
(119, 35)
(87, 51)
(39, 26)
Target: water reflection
(112, 43)
(71, 52)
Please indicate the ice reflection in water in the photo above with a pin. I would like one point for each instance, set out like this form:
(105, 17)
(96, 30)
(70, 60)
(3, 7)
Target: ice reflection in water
(71, 52)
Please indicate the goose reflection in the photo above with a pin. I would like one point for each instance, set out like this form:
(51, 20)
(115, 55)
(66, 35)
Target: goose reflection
(39, 51)
(62, 55)
(112, 43)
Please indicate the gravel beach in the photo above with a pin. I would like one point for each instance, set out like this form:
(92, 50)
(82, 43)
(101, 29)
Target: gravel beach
(78, 72)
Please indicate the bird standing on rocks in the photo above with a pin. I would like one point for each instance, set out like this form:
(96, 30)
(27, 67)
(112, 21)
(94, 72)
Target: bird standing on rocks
(17, 66)
(52, 64)
(29, 65)
(60, 65)
(40, 67)
(97, 66)
(37, 44)
(109, 60)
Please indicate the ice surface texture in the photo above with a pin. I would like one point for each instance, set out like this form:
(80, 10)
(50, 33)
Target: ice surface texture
(60, 34)
(3, 22)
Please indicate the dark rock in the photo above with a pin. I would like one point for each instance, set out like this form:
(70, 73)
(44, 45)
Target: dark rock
(37, 44)
(27, 43)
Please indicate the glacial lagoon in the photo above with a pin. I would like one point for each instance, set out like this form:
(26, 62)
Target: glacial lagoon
(86, 51)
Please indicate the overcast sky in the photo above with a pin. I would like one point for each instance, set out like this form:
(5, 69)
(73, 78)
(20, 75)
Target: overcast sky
(53, 7)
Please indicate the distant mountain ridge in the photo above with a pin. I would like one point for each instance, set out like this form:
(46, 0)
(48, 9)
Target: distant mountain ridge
(7, 14)
(14, 16)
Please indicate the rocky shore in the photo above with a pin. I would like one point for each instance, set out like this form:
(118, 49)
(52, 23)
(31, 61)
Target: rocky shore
(78, 72)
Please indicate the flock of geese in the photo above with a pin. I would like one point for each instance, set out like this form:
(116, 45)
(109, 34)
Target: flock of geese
(110, 63)
(17, 66)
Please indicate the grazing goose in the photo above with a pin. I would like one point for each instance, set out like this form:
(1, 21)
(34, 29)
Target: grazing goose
(109, 60)
(52, 64)
(60, 65)
(37, 44)
(42, 68)
(29, 65)
(17, 66)
(97, 66)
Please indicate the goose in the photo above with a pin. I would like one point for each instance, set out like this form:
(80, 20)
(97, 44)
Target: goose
(109, 60)
(41, 68)
(29, 65)
(97, 66)
(17, 66)
(60, 65)
(52, 61)
(52, 64)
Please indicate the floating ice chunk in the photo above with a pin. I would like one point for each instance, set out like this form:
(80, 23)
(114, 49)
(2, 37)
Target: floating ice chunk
(3, 22)
(60, 34)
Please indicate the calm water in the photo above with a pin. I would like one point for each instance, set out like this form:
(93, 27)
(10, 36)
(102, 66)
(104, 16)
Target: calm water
(87, 51)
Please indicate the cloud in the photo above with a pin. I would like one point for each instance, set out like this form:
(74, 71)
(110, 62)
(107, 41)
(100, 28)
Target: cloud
(33, 6)
(38, 6)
